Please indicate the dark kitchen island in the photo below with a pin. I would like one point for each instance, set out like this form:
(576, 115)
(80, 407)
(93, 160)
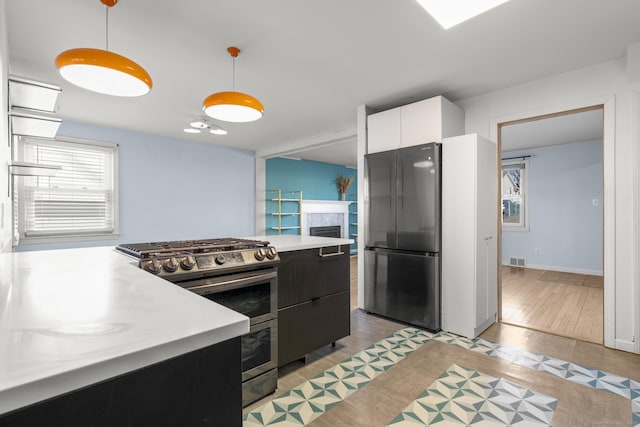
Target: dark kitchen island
(313, 293)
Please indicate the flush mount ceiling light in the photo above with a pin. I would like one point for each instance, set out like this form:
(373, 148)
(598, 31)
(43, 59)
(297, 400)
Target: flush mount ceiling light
(200, 124)
(449, 13)
(233, 106)
(103, 71)
(217, 130)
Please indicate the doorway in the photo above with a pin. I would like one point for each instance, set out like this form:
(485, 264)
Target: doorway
(552, 223)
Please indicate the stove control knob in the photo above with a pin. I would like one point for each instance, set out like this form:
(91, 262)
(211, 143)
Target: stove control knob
(260, 254)
(271, 253)
(188, 263)
(171, 265)
(220, 259)
(153, 266)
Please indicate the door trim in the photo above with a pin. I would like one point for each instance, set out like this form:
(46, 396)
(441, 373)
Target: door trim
(607, 103)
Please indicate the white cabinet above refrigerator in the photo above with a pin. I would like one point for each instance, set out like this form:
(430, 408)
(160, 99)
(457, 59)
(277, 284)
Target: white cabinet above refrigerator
(418, 123)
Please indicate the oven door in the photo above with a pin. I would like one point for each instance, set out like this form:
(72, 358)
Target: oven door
(260, 349)
(253, 293)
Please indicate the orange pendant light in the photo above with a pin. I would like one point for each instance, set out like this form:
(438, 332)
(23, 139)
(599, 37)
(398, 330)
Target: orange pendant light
(103, 71)
(233, 106)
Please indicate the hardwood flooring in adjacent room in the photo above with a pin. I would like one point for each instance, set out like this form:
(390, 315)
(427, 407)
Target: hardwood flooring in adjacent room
(354, 281)
(565, 304)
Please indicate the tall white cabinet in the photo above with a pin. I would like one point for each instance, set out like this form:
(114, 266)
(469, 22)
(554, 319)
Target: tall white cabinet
(469, 235)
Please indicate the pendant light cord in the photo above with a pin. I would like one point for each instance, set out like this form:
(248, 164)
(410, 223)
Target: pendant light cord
(107, 28)
(234, 74)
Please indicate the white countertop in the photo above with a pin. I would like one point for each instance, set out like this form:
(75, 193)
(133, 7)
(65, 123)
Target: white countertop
(73, 317)
(293, 242)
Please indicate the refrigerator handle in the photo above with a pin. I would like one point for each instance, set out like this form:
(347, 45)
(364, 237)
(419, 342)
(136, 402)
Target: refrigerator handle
(400, 175)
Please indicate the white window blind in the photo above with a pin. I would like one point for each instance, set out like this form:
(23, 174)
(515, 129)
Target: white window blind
(79, 200)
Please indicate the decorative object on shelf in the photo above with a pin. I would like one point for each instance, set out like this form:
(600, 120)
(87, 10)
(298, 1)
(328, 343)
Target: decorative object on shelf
(344, 182)
(103, 71)
(233, 106)
(198, 125)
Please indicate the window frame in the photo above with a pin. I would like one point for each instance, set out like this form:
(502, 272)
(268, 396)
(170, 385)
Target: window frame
(524, 196)
(20, 237)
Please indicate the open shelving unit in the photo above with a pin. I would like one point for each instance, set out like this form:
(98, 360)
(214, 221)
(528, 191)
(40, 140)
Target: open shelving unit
(285, 206)
(353, 226)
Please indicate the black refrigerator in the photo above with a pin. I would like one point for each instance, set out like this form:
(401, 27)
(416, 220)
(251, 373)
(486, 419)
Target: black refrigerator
(402, 247)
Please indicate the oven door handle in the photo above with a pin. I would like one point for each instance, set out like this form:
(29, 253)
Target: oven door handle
(233, 283)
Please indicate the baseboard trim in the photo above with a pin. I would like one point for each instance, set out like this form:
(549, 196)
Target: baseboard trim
(625, 345)
(505, 263)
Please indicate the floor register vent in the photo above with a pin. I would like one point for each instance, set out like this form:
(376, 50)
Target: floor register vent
(517, 262)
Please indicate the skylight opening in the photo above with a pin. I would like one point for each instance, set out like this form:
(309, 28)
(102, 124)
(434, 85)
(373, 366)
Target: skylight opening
(450, 13)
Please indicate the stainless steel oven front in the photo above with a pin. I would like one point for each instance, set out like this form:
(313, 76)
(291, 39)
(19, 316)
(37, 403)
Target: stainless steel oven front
(254, 294)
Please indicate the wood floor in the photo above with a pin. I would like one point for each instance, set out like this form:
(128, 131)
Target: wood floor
(354, 282)
(566, 304)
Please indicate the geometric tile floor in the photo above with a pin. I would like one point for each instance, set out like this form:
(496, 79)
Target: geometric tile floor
(464, 397)
(306, 402)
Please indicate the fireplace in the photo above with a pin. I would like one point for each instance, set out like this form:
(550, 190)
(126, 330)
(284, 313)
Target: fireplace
(325, 213)
(326, 231)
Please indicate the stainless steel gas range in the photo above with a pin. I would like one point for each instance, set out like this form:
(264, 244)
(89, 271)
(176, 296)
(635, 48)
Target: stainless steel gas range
(240, 274)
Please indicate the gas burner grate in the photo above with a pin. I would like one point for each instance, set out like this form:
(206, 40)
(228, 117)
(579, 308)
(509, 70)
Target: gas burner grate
(145, 250)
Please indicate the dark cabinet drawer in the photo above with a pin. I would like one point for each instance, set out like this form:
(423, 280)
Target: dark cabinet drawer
(312, 273)
(305, 327)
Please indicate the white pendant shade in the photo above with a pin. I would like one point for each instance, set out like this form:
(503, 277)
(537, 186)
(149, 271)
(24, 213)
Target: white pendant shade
(104, 80)
(233, 113)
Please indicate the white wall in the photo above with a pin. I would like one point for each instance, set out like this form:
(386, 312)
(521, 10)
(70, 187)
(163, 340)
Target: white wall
(5, 153)
(564, 224)
(173, 189)
(588, 86)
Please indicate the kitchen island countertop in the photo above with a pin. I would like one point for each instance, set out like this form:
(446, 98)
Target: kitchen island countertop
(294, 242)
(70, 318)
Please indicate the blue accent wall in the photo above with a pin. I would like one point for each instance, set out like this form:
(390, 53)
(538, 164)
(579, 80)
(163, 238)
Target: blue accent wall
(564, 224)
(173, 189)
(316, 180)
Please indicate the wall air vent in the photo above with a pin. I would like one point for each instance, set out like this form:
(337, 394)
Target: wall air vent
(517, 262)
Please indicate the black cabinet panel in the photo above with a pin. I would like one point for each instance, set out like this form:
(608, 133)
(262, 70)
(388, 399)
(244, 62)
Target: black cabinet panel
(305, 327)
(201, 388)
(312, 273)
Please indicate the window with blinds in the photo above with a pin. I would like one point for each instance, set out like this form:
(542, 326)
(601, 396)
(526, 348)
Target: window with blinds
(80, 200)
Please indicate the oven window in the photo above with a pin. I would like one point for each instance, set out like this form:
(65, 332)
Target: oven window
(252, 301)
(256, 349)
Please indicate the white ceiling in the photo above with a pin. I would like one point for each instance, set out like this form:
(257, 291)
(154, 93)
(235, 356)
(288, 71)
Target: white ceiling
(310, 63)
(585, 126)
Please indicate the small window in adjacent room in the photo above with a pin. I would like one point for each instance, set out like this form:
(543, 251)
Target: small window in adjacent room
(78, 203)
(514, 195)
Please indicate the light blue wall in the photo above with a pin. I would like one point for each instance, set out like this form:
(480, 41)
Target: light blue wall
(563, 182)
(317, 180)
(173, 189)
